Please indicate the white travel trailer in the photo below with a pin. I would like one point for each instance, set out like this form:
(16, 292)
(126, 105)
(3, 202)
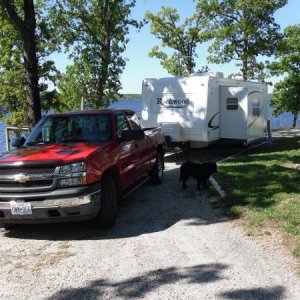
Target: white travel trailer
(203, 108)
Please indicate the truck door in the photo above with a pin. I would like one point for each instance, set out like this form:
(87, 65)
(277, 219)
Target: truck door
(128, 158)
(233, 112)
(144, 147)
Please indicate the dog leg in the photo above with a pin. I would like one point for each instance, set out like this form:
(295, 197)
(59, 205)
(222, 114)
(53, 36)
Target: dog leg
(184, 184)
(198, 184)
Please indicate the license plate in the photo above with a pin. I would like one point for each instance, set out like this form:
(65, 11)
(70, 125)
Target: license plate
(21, 209)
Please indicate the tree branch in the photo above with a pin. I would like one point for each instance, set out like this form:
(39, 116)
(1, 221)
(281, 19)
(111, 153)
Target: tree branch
(13, 16)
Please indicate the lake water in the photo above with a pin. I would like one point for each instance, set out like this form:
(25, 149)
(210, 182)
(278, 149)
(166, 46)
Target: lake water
(284, 120)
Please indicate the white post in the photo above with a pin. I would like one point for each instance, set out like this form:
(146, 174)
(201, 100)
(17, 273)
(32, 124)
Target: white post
(6, 139)
(269, 131)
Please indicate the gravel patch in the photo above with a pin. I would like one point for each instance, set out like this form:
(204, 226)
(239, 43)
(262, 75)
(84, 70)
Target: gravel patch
(167, 244)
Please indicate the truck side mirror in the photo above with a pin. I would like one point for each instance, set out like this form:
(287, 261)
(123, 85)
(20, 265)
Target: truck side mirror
(132, 135)
(18, 142)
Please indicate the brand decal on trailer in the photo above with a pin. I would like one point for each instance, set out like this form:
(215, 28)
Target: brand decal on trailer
(210, 126)
(175, 103)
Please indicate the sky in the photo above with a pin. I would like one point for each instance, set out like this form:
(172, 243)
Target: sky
(140, 66)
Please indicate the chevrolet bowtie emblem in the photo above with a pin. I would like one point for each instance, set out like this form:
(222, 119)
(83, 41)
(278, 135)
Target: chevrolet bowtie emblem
(22, 178)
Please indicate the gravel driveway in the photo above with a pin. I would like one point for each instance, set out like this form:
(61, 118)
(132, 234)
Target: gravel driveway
(167, 244)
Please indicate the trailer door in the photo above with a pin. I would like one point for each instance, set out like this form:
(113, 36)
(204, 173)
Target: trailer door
(233, 112)
(256, 115)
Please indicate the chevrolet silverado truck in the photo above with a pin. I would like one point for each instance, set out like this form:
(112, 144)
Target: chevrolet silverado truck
(76, 166)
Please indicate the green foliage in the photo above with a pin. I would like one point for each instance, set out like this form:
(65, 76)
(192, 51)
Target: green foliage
(130, 96)
(181, 38)
(242, 30)
(286, 94)
(12, 78)
(94, 33)
(73, 87)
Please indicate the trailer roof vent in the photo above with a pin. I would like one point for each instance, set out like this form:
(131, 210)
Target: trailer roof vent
(212, 74)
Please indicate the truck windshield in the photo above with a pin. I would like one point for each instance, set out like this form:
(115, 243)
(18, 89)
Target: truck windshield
(74, 128)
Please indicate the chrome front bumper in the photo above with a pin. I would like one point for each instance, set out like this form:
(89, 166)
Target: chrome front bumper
(54, 209)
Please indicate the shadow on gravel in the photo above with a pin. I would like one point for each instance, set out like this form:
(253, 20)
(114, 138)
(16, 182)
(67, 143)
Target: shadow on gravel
(140, 286)
(274, 293)
(149, 209)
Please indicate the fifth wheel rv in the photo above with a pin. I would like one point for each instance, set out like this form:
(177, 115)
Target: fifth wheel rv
(204, 108)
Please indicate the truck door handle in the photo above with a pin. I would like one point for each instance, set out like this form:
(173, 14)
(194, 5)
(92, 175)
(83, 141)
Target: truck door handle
(136, 145)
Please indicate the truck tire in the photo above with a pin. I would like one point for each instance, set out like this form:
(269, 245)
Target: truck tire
(107, 215)
(8, 226)
(157, 173)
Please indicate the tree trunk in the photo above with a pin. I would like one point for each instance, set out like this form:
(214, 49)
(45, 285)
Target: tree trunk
(31, 64)
(102, 102)
(26, 28)
(245, 58)
(295, 120)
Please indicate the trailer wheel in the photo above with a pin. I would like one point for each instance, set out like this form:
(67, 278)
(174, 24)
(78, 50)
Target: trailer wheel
(107, 215)
(157, 173)
(244, 144)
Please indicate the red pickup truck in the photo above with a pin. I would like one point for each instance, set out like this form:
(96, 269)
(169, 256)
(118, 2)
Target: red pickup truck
(76, 166)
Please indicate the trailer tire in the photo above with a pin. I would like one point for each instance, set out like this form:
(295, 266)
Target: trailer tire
(157, 173)
(107, 215)
(244, 144)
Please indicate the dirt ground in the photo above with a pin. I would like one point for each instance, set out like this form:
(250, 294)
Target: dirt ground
(167, 244)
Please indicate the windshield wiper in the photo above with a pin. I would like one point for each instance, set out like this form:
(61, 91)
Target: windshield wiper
(38, 143)
(73, 141)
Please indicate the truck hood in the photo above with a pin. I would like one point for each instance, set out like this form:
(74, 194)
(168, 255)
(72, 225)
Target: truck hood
(50, 154)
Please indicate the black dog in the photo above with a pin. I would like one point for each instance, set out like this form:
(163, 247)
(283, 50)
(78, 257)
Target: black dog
(199, 171)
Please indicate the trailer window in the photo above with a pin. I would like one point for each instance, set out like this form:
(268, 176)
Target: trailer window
(232, 103)
(255, 108)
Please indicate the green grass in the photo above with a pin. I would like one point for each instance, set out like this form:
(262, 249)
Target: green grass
(263, 187)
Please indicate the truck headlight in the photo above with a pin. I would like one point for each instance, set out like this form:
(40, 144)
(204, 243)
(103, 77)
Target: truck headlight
(72, 175)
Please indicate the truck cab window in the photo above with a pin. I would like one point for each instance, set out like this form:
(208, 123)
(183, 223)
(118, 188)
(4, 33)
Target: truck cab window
(122, 124)
(135, 124)
(134, 121)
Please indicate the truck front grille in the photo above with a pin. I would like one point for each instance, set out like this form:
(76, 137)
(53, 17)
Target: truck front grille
(14, 180)
(27, 171)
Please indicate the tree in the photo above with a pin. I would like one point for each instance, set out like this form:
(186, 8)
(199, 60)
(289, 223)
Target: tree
(73, 87)
(25, 24)
(286, 94)
(95, 35)
(12, 77)
(18, 107)
(181, 38)
(242, 30)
